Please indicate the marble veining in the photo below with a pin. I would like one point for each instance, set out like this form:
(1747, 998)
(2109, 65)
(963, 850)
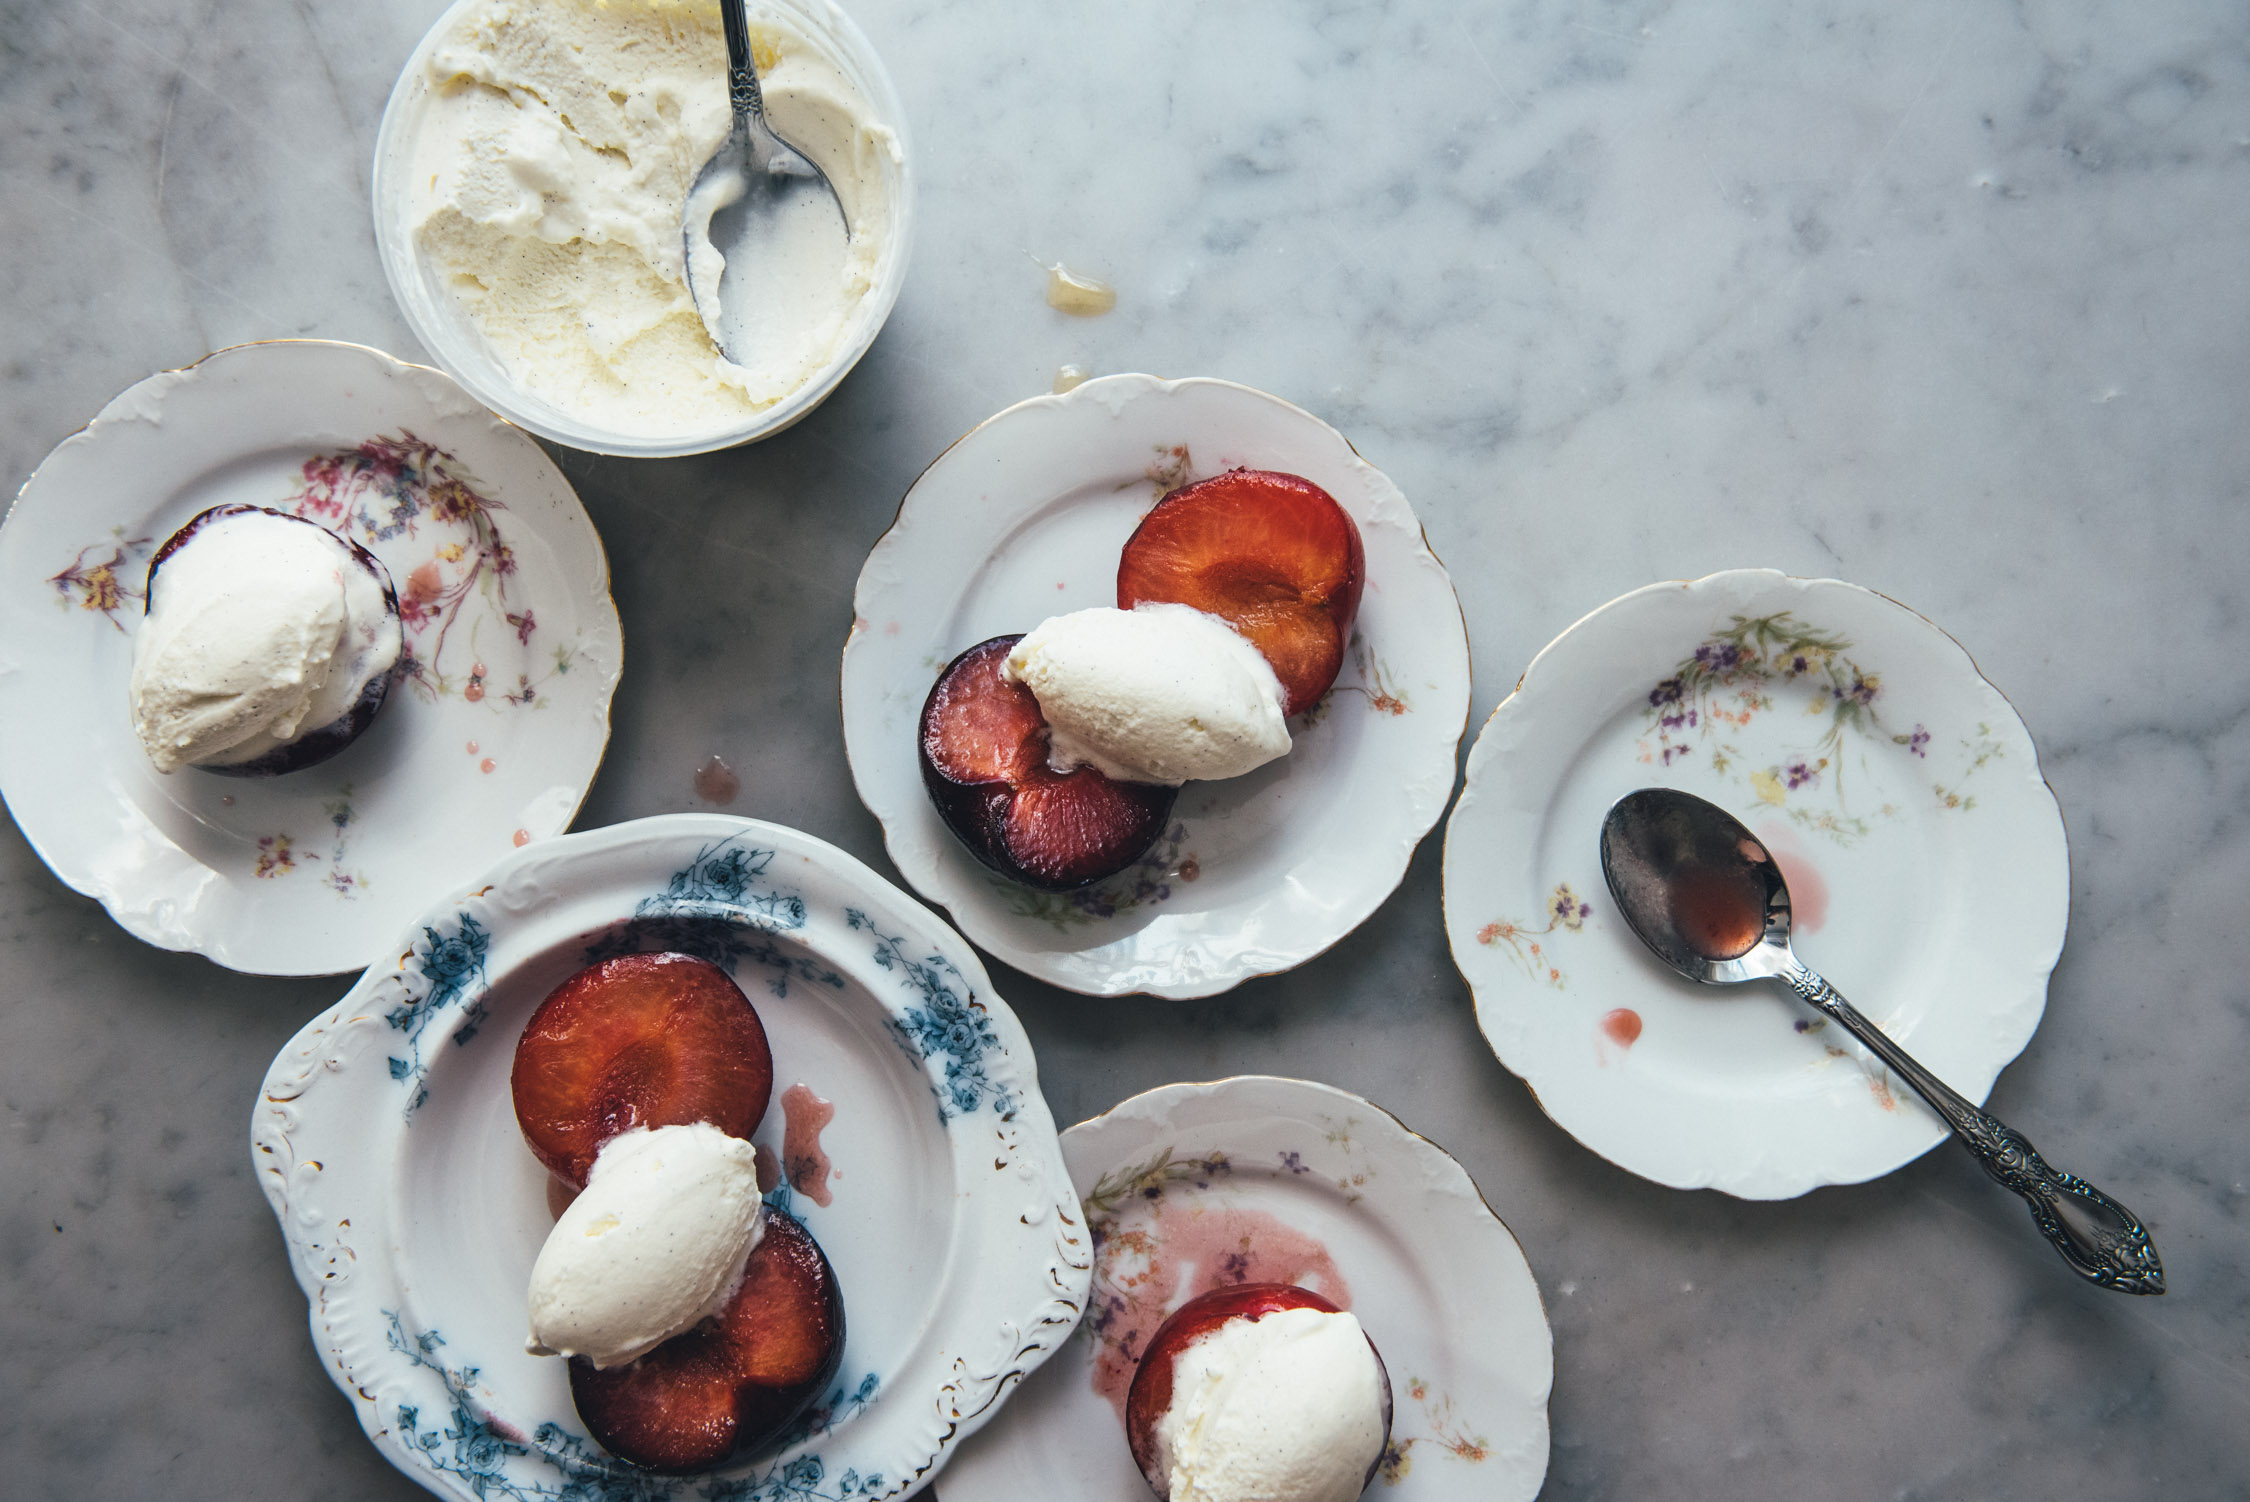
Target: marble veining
(1942, 298)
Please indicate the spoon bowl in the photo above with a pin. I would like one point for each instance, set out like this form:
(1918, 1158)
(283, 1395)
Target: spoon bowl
(1701, 892)
(1708, 899)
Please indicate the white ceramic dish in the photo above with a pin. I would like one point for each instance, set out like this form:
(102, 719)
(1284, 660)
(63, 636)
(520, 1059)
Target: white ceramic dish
(1024, 518)
(386, 1140)
(490, 741)
(454, 343)
(1258, 1179)
(1901, 795)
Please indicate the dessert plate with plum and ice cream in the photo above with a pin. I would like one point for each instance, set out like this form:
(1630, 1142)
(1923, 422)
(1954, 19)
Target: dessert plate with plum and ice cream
(684, 1158)
(1295, 1299)
(289, 639)
(1155, 685)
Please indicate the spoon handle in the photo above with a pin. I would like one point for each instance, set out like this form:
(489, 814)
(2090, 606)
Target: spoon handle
(742, 79)
(2101, 1239)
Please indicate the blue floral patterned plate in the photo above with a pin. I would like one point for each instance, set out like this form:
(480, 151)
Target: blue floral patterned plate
(1900, 794)
(1261, 1179)
(1024, 518)
(490, 741)
(386, 1140)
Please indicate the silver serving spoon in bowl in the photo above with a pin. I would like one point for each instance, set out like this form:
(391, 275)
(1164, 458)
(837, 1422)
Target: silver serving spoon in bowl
(764, 231)
(1707, 898)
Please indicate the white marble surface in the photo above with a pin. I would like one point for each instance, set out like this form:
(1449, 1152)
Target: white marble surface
(1944, 298)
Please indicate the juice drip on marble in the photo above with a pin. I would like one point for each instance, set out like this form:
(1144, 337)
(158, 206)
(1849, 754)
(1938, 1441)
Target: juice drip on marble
(1148, 1268)
(716, 782)
(802, 1156)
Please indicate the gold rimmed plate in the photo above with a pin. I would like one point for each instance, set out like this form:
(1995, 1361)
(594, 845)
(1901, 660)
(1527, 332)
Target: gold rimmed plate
(1025, 518)
(489, 741)
(1902, 797)
(1262, 1179)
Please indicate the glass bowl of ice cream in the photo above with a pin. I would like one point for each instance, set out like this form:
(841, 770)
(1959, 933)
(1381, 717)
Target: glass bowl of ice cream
(531, 181)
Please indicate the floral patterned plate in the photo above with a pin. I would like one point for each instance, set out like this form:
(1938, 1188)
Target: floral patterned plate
(924, 1162)
(1024, 518)
(490, 741)
(1259, 1179)
(1900, 794)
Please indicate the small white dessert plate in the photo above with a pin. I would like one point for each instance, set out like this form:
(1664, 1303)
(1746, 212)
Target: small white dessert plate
(1900, 794)
(1258, 1179)
(386, 1139)
(489, 740)
(1024, 518)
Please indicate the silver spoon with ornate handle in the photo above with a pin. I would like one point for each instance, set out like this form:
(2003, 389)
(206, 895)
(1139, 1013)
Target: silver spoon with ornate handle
(1703, 894)
(765, 233)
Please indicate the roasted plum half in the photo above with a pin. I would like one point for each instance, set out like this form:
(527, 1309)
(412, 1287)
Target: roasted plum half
(735, 1381)
(1272, 555)
(654, 1040)
(983, 748)
(639, 1040)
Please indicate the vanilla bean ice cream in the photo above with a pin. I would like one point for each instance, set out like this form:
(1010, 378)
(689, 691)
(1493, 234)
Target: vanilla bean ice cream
(1287, 1407)
(654, 1244)
(1162, 693)
(260, 628)
(550, 169)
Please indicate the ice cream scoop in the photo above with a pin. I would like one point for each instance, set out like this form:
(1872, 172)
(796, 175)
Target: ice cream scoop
(1704, 895)
(655, 1242)
(269, 643)
(1259, 1393)
(1163, 693)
